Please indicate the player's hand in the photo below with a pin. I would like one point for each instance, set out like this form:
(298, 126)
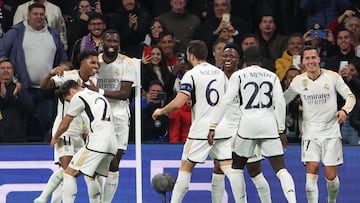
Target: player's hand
(341, 116)
(211, 136)
(284, 140)
(156, 114)
(53, 141)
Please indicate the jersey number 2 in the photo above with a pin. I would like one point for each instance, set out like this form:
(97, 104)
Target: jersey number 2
(268, 94)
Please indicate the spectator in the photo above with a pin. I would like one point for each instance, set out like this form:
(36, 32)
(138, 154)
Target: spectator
(293, 118)
(78, 25)
(212, 26)
(294, 48)
(252, 40)
(157, 26)
(34, 49)
(53, 17)
(184, 25)
(153, 67)
(217, 50)
(353, 24)
(151, 131)
(344, 50)
(355, 119)
(179, 123)
(15, 105)
(175, 61)
(132, 23)
(323, 13)
(271, 43)
(92, 41)
(325, 44)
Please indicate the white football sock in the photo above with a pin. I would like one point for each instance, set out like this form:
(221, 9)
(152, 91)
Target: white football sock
(181, 187)
(311, 186)
(237, 182)
(262, 187)
(93, 188)
(217, 187)
(333, 189)
(56, 196)
(287, 185)
(55, 179)
(110, 186)
(69, 189)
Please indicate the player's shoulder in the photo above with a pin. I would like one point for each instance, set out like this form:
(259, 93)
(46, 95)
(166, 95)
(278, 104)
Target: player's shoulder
(126, 59)
(330, 73)
(72, 72)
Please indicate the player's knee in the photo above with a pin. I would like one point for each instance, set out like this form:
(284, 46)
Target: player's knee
(254, 169)
(238, 162)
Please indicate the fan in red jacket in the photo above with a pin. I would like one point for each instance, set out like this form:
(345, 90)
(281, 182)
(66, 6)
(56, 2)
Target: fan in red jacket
(179, 123)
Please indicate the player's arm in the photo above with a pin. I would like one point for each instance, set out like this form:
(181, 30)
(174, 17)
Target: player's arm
(63, 126)
(122, 94)
(349, 97)
(231, 93)
(290, 93)
(47, 82)
(175, 104)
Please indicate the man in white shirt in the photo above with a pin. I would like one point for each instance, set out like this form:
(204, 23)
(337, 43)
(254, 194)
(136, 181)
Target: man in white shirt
(321, 138)
(53, 15)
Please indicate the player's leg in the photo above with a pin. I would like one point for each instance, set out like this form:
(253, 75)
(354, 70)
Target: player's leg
(217, 183)
(70, 185)
(332, 182)
(332, 157)
(273, 149)
(260, 182)
(236, 178)
(194, 151)
(112, 179)
(54, 181)
(94, 189)
(311, 156)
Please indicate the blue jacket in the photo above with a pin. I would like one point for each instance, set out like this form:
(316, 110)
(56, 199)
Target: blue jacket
(11, 47)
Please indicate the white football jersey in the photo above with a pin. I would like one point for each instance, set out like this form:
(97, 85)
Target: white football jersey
(261, 99)
(319, 100)
(76, 127)
(110, 77)
(205, 84)
(96, 112)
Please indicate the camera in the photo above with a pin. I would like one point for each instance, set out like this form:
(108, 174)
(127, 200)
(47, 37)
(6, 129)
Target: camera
(161, 96)
(318, 34)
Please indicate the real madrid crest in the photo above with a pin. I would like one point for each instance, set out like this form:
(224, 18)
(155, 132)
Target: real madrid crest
(117, 71)
(305, 83)
(326, 86)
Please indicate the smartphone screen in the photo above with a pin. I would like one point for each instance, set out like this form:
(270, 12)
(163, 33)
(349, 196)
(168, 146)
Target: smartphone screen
(226, 17)
(147, 51)
(296, 61)
(343, 64)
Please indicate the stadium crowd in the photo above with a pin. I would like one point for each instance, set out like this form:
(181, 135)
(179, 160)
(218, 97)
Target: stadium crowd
(33, 43)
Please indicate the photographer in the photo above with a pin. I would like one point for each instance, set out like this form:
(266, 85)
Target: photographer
(323, 39)
(152, 131)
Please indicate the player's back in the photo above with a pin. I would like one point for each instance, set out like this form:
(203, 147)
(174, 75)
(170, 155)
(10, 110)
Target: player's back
(260, 91)
(98, 118)
(207, 85)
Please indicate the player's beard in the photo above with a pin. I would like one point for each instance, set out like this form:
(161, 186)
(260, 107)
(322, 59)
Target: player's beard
(111, 52)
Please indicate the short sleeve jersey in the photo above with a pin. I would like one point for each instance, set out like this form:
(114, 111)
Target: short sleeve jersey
(205, 84)
(96, 112)
(110, 77)
(319, 100)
